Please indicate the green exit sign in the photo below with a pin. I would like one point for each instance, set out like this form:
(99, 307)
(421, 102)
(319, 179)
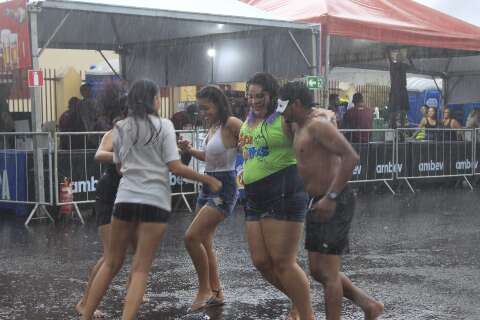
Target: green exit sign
(314, 82)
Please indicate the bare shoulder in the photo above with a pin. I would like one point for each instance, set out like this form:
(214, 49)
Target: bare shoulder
(234, 123)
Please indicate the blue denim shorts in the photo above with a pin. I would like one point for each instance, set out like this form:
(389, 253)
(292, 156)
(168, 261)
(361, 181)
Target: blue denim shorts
(280, 196)
(224, 200)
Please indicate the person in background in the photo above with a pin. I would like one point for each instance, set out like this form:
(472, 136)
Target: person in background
(473, 119)
(87, 108)
(449, 122)
(219, 154)
(70, 122)
(335, 106)
(185, 120)
(88, 116)
(429, 122)
(7, 124)
(108, 101)
(423, 112)
(6, 120)
(358, 117)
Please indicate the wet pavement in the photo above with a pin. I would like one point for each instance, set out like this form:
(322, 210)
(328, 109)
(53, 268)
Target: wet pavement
(417, 253)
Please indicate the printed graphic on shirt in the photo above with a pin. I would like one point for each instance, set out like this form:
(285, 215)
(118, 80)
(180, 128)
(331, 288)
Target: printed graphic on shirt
(253, 147)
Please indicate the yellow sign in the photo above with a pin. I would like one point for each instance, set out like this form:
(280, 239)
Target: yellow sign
(188, 93)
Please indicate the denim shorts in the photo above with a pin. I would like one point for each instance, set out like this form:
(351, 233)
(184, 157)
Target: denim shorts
(279, 196)
(224, 200)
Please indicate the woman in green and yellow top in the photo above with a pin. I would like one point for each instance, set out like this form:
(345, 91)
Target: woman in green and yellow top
(276, 200)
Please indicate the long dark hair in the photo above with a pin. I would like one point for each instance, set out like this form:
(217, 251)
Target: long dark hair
(216, 96)
(270, 85)
(141, 104)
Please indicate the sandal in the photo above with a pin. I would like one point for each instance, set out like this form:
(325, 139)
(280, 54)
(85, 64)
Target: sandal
(214, 300)
(199, 306)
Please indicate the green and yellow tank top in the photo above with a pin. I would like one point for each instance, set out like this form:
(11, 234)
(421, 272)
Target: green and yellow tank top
(266, 150)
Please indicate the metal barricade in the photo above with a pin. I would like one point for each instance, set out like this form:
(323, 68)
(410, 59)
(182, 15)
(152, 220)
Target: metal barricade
(476, 148)
(75, 164)
(376, 149)
(26, 173)
(76, 169)
(435, 153)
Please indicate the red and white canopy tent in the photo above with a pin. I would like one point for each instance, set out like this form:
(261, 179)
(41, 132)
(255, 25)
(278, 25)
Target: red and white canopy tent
(357, 33)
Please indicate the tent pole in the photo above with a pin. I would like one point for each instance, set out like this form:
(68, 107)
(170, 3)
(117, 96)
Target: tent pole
(45, 46)
(109, 64)
(326, 71)
(297, 45)
(36, 111)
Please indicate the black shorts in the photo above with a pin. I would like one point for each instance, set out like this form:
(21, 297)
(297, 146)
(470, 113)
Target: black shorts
(140, 212)
(331, 237)
(280, 196)
(103, 210)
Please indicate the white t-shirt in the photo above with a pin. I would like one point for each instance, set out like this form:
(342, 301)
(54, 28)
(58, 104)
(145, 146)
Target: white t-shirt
(145, 174)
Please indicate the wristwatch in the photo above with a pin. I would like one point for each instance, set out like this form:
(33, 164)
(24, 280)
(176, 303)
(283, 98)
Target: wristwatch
(332, 195)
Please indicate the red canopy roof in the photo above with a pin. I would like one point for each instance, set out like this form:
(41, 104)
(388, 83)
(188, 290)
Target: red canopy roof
(395, 21)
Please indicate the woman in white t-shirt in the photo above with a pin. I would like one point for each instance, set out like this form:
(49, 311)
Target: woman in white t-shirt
(145, 150)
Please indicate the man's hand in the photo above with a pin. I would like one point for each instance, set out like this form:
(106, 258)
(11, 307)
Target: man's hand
(328, 114)
(324, 209)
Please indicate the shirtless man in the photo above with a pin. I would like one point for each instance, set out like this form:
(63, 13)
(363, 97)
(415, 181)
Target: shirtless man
(325, 160)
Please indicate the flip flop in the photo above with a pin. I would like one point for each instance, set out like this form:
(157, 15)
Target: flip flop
(214, 300)
(201, 305)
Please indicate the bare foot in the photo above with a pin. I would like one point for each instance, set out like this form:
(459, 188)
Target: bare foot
(80, 307)
(374, 310)
(96, 315)
(293, 314)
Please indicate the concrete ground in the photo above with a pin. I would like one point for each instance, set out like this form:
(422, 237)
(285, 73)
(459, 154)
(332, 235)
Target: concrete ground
(416, 253)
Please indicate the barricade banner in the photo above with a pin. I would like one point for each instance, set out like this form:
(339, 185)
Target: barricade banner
(477, 151)
(376, 149)
(84, 172)
(376, 162)
(441, 159)
(446, 153)
(13, 181)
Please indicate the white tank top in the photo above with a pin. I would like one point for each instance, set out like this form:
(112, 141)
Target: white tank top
(217, 157)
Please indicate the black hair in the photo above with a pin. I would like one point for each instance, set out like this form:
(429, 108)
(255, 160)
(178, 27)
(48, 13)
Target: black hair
(297, 90)
(141, 104)
(357, 98)
(109, 101)
(73, 103)
(270, 85)
(215, 95)
(86, 90)
(123, 109)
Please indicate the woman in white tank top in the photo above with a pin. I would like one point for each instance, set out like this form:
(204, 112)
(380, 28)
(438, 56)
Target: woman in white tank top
(219, 154)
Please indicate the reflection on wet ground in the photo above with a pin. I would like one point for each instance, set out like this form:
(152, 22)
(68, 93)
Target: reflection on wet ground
(417, 253)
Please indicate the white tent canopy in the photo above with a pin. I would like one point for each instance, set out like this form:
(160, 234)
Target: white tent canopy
(109, 24)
